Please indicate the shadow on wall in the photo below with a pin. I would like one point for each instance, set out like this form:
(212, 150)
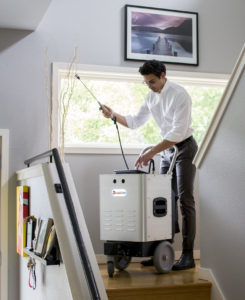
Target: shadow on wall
(8, 37)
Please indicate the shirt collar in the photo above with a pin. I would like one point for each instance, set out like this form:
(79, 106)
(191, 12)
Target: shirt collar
(165, 87)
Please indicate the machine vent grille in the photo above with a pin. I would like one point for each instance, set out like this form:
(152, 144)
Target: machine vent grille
(120, 220)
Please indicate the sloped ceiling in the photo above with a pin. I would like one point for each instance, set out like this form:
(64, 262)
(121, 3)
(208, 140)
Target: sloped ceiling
(22, 14)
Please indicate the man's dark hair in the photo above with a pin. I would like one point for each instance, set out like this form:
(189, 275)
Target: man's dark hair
(153, 67)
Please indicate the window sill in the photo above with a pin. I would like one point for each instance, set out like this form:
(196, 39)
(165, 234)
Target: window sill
(103, 149)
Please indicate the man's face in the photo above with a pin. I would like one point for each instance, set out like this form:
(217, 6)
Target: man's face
(155, 83)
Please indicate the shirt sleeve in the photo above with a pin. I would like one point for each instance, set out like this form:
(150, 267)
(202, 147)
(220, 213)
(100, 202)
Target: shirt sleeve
(181, 118)
(140, 118)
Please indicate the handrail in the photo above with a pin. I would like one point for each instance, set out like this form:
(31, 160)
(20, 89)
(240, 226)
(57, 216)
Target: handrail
(37, 157)
(72, 214)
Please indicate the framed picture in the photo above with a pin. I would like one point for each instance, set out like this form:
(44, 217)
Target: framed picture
(170, 36)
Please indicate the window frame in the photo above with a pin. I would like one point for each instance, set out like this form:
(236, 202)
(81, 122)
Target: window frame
(115, 73)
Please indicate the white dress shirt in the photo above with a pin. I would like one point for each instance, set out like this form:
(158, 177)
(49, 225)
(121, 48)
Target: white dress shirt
(171, 109)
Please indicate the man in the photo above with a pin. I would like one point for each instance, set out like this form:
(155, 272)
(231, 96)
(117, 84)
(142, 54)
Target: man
(170, 105)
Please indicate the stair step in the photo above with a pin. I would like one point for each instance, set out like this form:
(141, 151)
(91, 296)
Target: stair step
(185, 292)
(144, 283)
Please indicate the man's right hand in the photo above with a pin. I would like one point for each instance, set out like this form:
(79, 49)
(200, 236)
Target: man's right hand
(107, 111)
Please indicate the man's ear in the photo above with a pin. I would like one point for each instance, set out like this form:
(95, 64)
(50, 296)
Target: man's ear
(162, 76)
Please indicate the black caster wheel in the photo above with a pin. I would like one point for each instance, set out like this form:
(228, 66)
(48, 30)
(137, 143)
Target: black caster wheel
(122, 261)
(110, 268)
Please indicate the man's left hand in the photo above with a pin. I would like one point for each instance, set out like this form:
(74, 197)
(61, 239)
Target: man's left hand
(143, 160)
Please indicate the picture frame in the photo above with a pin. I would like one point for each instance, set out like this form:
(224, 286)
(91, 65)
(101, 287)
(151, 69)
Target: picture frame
(170, 36)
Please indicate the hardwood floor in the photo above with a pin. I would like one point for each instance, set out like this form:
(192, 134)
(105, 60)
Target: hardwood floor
(138, 282)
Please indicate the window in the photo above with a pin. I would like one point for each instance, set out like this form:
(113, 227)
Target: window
(87, 130)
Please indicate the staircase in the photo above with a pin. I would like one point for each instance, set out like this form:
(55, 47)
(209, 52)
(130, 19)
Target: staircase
(144, 283)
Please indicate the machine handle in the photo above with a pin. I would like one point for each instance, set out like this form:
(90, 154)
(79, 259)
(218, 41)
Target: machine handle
(145, 149)
(170, 170)
(141, 153)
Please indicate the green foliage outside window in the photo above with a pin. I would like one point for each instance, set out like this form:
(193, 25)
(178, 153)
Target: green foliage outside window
(85, 123)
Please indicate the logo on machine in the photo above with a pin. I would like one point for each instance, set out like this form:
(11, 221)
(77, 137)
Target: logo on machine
(119, 193)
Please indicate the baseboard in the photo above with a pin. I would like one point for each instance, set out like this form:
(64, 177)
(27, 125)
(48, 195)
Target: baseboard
(101, 258)
(207, 274)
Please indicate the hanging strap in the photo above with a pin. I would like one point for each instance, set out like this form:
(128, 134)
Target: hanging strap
(31, 265)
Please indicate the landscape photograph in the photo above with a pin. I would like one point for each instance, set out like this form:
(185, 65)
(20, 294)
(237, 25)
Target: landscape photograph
(160, 34)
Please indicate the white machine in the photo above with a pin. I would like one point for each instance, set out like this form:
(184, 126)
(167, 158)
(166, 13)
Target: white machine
(136, 217)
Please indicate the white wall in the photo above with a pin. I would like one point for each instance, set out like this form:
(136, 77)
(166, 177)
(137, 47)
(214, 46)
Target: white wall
(222, 202)
(97, 28)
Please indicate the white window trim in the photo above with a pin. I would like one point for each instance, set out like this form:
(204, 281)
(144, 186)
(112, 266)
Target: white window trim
(116, 73)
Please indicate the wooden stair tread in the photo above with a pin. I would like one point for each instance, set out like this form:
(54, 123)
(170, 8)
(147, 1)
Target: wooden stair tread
(138, 282)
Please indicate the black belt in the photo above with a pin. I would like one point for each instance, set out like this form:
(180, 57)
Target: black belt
(184, 141)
